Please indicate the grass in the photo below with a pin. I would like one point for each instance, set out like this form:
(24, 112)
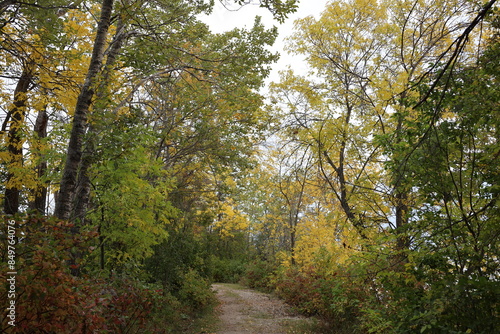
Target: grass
(207, 321)
(262, 315)
(305, 326)
(233, 286)
(230, 293)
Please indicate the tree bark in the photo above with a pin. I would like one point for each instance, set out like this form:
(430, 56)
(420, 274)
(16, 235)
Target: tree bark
(14, 141)
(40, 192)
(66, 197)
(401, 201)
(83, 184)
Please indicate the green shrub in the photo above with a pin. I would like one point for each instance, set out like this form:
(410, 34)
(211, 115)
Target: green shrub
(443, 303)
(195, 291)
(225, 270)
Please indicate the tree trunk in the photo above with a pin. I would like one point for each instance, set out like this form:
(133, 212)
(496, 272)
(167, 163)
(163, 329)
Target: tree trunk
(40, 192)
(402, 220)
(15, 142)
(293, 229)
(401, 201)
(64, 204)
(83, 185)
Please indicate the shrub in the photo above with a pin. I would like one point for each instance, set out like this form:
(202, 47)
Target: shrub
(299, 290)
(259, 274)
(48, 298)
(225, 270)
(195, 291)
(337, 299)
(51, 300)
(442, 303)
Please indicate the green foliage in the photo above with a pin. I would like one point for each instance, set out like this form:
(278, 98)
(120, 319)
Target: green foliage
(132, 211)
(279, 8)
(451, 283)
(436, 302)
(179, 254)
(225, 270)
(195, 291)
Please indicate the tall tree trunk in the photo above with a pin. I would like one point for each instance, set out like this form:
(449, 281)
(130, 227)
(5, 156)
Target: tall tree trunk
(64, 204)
(401, 219)
(15, 142)
(293, 233)
(40, 192)
(82, 196)
(401, 199)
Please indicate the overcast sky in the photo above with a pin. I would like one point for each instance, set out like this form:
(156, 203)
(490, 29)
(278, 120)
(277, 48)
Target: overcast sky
(223, 19)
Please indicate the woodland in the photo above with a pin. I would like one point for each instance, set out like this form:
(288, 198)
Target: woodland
(140, 161)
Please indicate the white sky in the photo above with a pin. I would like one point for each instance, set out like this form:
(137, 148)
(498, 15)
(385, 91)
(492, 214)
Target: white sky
(223, 19)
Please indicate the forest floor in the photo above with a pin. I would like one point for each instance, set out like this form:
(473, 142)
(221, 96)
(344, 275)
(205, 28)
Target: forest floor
(243, 311)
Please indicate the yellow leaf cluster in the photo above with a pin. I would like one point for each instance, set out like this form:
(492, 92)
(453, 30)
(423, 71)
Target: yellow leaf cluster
(231, 220)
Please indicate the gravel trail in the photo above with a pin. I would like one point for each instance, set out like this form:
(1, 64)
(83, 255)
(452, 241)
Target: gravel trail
(244, 311)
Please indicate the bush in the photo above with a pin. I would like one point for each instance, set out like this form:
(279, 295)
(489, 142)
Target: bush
(195, 291)
(299, 290)
(225, 270)
(259, 274)
(337, 300)
(48, 298)
(51, 300)
(445, 303)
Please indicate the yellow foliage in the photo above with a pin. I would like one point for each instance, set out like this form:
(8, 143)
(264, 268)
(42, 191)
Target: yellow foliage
(231, 220)
(325, 234)
(58, 71)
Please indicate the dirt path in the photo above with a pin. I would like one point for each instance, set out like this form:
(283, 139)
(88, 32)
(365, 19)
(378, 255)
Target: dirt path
(244, 311)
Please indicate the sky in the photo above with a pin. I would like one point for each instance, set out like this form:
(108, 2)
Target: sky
(223, 19)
